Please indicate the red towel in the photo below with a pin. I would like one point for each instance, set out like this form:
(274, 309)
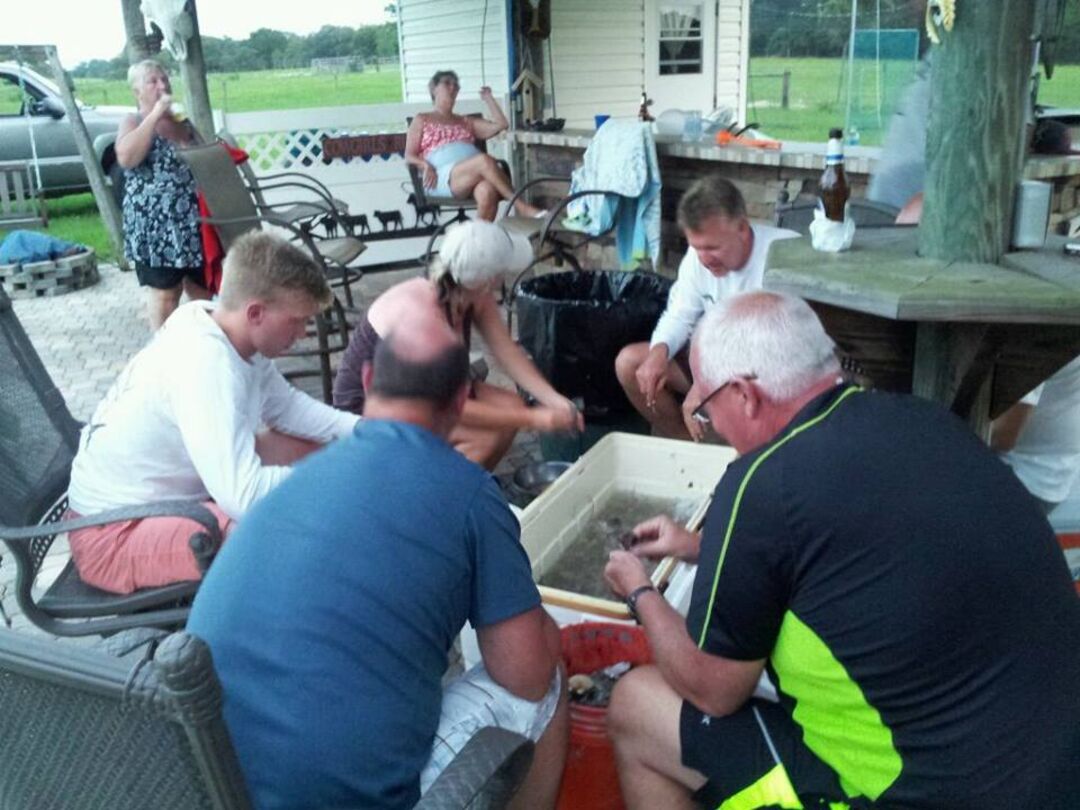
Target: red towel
(213, 252)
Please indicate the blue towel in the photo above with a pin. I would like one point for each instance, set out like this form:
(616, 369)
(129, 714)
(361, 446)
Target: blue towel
(620, 159)
(24, 247)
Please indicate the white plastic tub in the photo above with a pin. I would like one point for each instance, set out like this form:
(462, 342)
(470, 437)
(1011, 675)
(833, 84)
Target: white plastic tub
(620, 462)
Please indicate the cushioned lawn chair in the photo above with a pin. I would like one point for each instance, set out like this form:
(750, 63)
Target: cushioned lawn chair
(318, 205)
(797, 216)
(38, 440)
(234, 213)
(86, 729)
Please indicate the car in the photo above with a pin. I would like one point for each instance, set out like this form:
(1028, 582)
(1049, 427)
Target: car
(31, 102)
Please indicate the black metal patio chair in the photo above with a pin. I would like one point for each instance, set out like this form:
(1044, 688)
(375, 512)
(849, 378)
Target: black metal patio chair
(38, 441)
(234, 213)
(87, 730)
(797, 216)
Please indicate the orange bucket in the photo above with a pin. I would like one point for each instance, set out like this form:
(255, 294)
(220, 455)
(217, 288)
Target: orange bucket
(590, 781)
(1069, 542)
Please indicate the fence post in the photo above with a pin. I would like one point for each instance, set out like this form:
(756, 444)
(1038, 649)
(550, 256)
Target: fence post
(785, 87)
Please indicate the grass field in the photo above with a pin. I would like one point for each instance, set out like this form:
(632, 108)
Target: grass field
(818, 98)
(269, 89)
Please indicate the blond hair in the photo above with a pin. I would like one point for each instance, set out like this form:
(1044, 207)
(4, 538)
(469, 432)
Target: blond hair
(261, 265)
(137, 73)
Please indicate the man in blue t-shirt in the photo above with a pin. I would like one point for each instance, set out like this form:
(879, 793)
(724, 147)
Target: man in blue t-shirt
(906, 596)
(332, 608)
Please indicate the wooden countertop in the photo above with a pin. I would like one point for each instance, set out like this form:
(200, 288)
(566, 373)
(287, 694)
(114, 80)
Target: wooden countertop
(882, 275)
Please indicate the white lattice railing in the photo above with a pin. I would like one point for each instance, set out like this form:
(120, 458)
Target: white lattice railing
(290, 140)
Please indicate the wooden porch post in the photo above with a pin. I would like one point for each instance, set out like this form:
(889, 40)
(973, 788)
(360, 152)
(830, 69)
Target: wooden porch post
(193, 71)
(139, 46)
(106, 202)
(974, 152)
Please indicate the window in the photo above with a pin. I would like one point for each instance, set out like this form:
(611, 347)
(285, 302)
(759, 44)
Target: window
(681, 45)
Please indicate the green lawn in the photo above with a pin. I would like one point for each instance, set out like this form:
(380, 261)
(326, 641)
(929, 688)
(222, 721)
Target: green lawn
(75, 218)
(269, 89)
(818, 98)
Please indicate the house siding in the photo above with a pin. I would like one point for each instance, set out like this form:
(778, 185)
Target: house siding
(446, 35)
(598, 56)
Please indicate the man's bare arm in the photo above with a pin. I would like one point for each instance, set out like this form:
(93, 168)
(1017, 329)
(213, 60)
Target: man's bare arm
(521, 653)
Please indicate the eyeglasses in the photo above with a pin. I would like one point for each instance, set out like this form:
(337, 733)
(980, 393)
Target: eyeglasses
(699, 414)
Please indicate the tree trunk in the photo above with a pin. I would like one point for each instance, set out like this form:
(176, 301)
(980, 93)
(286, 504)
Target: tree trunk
(975, 132)
(138, 47)
(193, 71)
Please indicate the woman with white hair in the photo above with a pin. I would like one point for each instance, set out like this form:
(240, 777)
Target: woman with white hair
(161, 210)
(472, 261)
(442, 145)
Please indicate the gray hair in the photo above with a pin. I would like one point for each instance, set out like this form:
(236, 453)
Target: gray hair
(777, 338)
(137, 73)
(709, 196)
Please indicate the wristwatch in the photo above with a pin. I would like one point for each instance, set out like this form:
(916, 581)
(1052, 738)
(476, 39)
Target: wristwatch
(632, 600)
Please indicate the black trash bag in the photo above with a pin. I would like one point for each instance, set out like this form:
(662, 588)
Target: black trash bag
(574, 324)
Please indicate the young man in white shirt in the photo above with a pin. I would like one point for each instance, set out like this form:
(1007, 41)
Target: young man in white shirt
(726, 257)
(201, 413)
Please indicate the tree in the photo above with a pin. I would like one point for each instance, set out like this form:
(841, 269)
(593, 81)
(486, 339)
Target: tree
(269, 46)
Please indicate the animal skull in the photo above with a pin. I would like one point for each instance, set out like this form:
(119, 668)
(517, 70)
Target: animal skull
(175, 23)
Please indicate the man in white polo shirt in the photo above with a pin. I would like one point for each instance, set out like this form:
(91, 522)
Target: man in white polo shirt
(726, 257)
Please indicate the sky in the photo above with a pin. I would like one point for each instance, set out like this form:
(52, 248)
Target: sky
(94, 29)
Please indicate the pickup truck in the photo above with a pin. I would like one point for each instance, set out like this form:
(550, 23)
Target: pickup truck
(29, 100)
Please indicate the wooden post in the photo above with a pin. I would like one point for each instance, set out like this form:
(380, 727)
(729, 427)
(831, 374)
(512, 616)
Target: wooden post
(106, 203)
(785, 90)
(138, 45)
(193, 71)
(973, 142)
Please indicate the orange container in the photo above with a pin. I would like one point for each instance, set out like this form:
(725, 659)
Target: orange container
(590, 781)
(1070, 544)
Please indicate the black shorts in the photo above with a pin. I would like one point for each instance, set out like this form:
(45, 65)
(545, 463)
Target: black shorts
(759, 750)
(166, 278)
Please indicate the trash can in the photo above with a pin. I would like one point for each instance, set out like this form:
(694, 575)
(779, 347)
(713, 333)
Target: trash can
(573, 325)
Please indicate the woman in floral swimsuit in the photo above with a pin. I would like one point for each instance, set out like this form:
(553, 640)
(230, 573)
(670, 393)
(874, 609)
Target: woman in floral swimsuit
(161, 211)
(443, 146)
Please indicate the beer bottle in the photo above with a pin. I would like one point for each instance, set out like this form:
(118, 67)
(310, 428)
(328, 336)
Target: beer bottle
(833, 188)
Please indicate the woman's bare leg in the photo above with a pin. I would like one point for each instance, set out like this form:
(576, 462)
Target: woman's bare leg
(486, 446)
(195, 291)
(468, 173)
(160, 305)
(487, 200)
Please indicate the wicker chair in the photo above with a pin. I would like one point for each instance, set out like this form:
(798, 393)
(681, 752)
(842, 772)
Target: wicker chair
(38, 441)
(84, 729)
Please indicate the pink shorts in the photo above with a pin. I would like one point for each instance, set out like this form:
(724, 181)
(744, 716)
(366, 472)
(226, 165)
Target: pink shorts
(124, 557)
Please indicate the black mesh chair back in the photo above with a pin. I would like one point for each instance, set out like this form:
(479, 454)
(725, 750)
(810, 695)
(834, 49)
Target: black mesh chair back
(38, 435)
(38, 441)
(87, 731)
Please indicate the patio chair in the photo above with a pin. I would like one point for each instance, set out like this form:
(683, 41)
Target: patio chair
(38, 441)
(87, 728)
(234, 213)
(426, 200)
(797, 216)
(84, 729)
(318, 206)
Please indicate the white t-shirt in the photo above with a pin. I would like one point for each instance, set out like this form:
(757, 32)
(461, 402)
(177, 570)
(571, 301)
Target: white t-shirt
(695, 289)
(1046, 457)
(180, 423)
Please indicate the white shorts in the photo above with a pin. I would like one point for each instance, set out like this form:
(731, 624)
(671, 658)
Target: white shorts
(474, 701)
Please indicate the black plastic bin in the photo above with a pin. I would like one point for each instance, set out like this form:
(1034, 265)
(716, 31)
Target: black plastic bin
(574, 324)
